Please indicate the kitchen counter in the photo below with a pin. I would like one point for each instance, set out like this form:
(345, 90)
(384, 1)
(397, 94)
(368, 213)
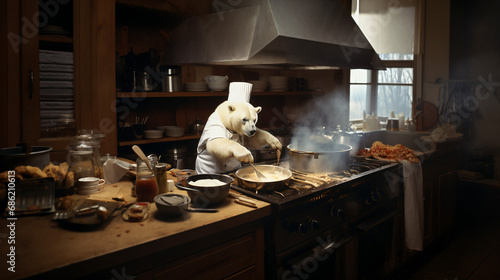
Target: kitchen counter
(43, 247)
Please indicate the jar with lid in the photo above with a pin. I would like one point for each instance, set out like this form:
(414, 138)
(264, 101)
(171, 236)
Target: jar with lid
(146, 185)
(161, 177)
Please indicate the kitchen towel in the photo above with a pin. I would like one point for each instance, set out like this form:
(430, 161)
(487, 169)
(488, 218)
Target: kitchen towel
(239, 92)
(414, 205)
(114, 170)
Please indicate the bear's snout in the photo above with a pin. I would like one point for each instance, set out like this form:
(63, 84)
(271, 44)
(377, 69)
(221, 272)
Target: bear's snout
(252, 132)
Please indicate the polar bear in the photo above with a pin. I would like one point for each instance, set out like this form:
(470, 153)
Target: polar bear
(228, 130)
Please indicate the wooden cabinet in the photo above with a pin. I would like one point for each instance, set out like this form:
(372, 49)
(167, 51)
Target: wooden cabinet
(89, 26)
(234, 253)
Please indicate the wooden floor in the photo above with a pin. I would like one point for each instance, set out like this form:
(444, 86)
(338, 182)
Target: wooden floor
(473, 252)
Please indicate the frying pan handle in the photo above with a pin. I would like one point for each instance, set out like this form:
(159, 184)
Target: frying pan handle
(181, 187)
(232, 175)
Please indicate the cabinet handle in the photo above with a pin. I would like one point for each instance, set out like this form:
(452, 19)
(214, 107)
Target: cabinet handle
(32, 81)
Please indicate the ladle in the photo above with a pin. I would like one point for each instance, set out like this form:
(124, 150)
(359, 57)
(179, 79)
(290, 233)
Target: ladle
(141, 154)
(259, 174)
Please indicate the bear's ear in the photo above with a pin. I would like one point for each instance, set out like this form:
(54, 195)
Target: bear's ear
(231, 108)
(258, 109)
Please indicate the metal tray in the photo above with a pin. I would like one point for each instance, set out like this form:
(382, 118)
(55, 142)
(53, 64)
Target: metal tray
(33, 196)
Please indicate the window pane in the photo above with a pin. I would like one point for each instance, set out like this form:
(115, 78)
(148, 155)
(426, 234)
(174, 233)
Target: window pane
(396, 76)
(358, 101)
(395, 56)
(394, 98)
(360, 76)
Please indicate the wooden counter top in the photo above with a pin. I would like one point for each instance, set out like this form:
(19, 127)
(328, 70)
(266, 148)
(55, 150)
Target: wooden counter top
(41, 245)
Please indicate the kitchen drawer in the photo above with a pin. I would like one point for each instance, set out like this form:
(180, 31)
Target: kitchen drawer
(219, 262)
(247, 274)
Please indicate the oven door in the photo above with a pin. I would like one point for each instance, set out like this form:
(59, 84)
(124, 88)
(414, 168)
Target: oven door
(320, 257)
(378, 241)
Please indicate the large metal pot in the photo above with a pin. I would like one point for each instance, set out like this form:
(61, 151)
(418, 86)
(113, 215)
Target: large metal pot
(202, 196)
(279, 178)
(38, 156)
(324, 158)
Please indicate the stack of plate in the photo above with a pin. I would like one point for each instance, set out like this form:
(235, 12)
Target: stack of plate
(201, 86)
(278, 83)
(258, 86)
(153, 134)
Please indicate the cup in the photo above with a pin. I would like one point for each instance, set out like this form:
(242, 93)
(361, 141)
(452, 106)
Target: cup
(89, 185)
(138, 130)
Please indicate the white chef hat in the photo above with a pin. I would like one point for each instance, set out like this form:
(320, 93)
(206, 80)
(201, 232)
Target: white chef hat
(239, 92)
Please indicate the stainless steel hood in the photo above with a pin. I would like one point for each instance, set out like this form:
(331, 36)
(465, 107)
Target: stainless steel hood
(274, 32)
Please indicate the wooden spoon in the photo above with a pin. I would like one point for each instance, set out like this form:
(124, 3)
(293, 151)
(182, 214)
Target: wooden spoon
(141, 154)
(259, 174)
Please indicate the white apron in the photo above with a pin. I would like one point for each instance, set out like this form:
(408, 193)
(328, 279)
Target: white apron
(205, 162)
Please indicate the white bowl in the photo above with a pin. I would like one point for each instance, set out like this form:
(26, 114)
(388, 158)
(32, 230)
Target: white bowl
(174, 131)
(215, 78)
(217, 86)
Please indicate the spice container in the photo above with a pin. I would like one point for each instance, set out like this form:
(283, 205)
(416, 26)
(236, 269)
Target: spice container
(161, 177)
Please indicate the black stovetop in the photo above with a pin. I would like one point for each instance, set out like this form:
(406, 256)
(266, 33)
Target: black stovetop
(360, 170)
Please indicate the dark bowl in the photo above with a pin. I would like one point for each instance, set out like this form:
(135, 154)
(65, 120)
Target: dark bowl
(202, 196)
(174, 209)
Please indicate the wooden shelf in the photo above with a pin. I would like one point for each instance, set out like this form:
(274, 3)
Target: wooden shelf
(209, 94)
(56, 39)
(158, 140)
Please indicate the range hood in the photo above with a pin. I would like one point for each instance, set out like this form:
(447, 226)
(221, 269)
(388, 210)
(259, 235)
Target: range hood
(290, 33)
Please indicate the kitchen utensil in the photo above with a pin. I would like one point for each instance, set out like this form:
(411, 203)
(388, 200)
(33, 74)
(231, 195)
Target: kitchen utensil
(278, 178)
(98, 213)
(38, 156)
(203, 196)
(171, 78)
(142, 156)
(203, 210)
(261, 175)
(172, 204)
(320, 158)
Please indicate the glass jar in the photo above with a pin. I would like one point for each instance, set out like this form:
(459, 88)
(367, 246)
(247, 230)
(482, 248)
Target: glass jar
(81, 163)
(146, 186)
(161, 177)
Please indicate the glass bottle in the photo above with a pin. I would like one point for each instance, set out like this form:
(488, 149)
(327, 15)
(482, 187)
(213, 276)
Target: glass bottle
(146, 186)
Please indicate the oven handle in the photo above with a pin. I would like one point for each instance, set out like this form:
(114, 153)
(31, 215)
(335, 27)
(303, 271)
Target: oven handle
(319, 251)
(376, 221)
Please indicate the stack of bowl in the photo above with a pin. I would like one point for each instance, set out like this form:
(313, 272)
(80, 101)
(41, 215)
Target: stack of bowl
(202, 86)
(258, 86)
(174, 131)
(216, 83)
(278, 83)
(153, 133)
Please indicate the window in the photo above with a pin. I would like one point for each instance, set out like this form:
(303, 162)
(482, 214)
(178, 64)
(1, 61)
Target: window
(390, 28)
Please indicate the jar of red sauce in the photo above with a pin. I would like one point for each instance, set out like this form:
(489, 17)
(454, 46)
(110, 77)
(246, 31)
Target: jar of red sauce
(146, 185)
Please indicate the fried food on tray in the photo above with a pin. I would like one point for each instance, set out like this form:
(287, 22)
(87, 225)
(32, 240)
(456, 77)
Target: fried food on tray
(29, 172)
(397, 152)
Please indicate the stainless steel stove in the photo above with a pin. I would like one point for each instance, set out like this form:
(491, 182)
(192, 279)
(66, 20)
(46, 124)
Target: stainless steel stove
(319, 220)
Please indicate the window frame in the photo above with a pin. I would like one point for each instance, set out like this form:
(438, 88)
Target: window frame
(373, 84)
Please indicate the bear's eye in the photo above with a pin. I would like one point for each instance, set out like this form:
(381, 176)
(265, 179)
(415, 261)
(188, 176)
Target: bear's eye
(245, 120)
